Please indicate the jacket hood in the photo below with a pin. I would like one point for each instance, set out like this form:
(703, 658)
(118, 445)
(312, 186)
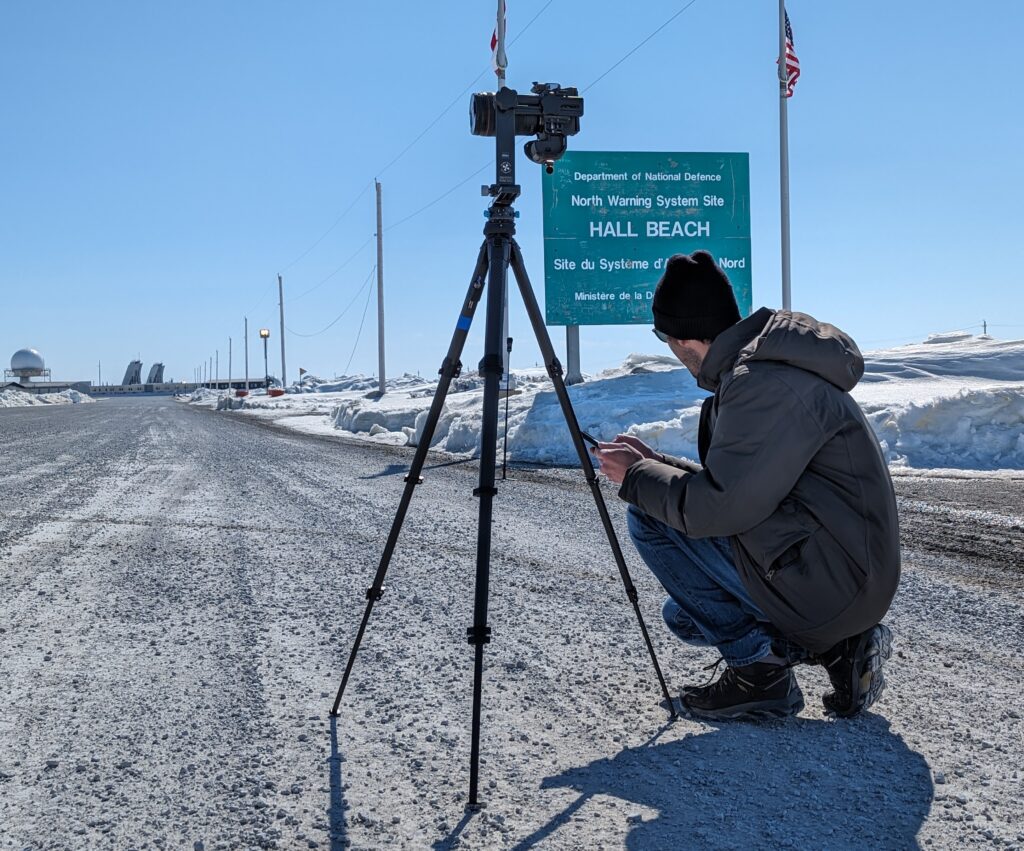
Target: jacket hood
(787, 337)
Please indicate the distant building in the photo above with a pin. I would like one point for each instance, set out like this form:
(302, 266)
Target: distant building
(27, 364)
(133, 375)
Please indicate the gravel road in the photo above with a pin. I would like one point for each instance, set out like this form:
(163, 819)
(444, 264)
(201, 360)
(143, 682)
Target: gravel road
(179, 589)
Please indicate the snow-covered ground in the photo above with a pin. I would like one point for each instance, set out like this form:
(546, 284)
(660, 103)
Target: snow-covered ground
(953, 402)
(11, 398)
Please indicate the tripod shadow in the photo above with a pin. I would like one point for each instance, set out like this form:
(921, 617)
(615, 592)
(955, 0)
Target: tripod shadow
(336, 807)
(402, 469)
(452, 839)
(809, 783)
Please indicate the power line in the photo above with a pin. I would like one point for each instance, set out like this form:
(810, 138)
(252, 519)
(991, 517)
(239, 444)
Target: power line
(460, 95)
(408, 147)
(337, 318)
(323, 236)
(351, 257)
(641, 44)
(427, 129)
(443, 195)
(263, 297)
(360, 331)
(601, 77)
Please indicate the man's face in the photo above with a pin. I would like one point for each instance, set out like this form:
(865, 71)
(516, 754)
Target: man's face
(690, 353)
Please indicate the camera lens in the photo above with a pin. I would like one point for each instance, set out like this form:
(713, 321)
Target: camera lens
(481, 114)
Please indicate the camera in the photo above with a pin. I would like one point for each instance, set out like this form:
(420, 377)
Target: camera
(551, 113)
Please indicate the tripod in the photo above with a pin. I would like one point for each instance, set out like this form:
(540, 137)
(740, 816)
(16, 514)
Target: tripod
(498, 253)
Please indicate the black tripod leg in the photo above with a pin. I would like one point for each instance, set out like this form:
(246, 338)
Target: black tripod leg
(479, 634)
(555, 371)
(450, 368)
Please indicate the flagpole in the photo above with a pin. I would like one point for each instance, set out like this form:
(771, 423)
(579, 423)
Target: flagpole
(500, 63)
(784, 156)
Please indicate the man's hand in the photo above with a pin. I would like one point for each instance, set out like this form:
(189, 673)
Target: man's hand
(638, 445)
(616, 458)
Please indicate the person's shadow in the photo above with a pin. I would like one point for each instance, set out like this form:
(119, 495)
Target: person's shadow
(803, 783)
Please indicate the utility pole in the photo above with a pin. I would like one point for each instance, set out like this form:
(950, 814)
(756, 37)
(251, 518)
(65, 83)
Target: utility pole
(99, 376)
(229, 365)
(216, 373)
(209, 374)
(246, 354)
(280, 293)
(380, 291)
(984, 327)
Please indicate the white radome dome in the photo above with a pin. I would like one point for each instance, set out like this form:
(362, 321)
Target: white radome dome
(27, 360)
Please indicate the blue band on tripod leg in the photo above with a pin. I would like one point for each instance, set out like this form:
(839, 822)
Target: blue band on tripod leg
(464, 323)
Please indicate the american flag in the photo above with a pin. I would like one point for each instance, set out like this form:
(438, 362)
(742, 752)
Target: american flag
(792, 63)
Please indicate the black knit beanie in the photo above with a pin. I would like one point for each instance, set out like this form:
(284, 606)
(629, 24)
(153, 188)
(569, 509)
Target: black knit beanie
(694, 299)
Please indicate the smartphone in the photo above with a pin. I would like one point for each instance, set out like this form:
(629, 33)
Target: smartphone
(589, 438)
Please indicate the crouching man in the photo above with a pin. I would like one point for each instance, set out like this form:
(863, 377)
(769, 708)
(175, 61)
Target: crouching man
(782, 546)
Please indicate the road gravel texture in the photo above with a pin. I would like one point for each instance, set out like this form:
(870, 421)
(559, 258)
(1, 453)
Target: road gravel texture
(179, 590)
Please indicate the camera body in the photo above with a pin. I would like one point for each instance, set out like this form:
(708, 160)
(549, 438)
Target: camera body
(551, 113)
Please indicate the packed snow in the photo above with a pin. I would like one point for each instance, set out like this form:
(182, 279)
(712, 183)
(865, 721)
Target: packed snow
(12, 398)
(955, 402)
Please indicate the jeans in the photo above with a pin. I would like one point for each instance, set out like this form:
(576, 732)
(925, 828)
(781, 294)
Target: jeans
(707, 603)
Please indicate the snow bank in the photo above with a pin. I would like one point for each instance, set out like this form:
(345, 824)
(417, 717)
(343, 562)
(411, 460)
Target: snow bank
(11, 398)
(313, 384)
(973, 429)
(206, 395)
(954, 401)
(948, 356)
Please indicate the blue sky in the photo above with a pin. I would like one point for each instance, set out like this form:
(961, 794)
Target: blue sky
(164, 161)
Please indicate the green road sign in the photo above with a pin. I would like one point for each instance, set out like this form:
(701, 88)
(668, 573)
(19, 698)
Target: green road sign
(611, 219)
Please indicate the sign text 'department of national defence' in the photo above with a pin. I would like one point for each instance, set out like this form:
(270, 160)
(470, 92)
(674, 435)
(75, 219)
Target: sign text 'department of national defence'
(611, 219)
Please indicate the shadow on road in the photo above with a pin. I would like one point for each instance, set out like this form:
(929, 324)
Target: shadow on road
(815, 784)
(337, 806)
(395, 469)
(453, 839)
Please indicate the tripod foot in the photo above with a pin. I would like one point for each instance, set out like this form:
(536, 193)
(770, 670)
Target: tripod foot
(475, 808)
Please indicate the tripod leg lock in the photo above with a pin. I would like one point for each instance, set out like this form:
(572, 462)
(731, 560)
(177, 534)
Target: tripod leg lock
(491, 364)
(450, 368)
(632, 594)
(481, 636)
(418, 481)
(555, 367)
(488, 491)
(374, 593)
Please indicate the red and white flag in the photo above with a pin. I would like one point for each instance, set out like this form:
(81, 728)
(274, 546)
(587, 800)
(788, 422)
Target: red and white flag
(792, 63)
(498, 59)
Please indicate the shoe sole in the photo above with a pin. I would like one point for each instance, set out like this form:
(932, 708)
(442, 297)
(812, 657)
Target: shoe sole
(867, 686)
(762, 710)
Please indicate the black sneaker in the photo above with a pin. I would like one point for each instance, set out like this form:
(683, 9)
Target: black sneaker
(855, 669)
(749, 693)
